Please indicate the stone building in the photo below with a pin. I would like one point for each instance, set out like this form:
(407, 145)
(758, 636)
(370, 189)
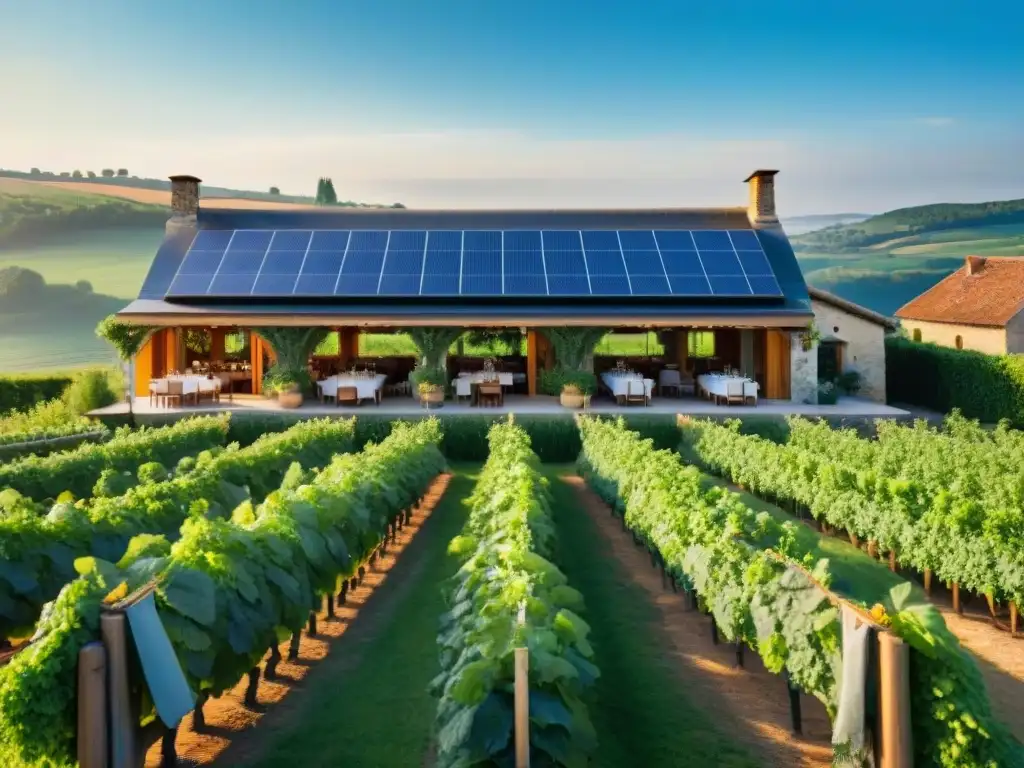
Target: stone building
(852, 339)
(979, 307)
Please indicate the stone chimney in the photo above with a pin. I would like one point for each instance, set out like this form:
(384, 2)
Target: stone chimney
(184, 202)
(974, 264)
(761, 210)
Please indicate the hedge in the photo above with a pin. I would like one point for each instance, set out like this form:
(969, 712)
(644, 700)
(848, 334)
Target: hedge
(984, 387)
(18, 392)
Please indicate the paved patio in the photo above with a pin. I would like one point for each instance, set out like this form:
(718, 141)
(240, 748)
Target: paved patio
(405, 406)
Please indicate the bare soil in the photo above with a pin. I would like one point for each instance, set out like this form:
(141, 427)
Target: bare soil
(229, 737)
(753, 701)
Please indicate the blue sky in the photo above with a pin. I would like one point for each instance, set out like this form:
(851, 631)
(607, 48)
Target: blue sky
(862, 106)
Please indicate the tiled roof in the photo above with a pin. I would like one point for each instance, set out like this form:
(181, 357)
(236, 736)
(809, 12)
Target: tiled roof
(992, 296)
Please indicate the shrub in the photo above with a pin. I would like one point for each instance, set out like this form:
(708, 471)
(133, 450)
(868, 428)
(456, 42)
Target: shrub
(984, 387)
(21, 392)
(90, 390)
(552, 382)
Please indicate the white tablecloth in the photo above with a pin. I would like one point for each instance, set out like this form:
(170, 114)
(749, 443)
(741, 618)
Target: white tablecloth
(718, 384)
(504, 378)
(619, 383)
(366, 387)
(190, 384)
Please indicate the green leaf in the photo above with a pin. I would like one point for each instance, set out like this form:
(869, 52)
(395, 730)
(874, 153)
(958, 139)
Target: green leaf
(473, 682)
(191, 593)
(546, 709)
(900, 595)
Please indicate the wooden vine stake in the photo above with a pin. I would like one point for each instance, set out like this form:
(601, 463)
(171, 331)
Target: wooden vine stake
(928, 581)
(894, 702)
(522, 701)
(956, 598)
(1013, 619)
(92, 706)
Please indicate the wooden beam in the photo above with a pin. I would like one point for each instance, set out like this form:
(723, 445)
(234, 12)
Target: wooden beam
(531, 363)
(894, 702)
(331, 320)
(256, 361)
(144, 368)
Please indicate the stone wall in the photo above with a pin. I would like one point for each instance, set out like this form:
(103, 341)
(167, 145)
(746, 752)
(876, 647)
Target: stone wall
(803, 371)
(864, 350)
(1015, 335)
(991, 341)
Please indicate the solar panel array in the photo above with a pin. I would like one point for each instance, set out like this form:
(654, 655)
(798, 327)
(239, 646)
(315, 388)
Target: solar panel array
(474, 263)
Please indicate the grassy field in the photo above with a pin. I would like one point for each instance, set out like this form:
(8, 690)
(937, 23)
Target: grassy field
(383, 705)
(114, 261)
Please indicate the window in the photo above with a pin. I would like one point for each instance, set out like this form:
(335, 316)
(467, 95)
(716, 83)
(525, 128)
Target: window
(700, 343)
(917, 334)
(959, 342)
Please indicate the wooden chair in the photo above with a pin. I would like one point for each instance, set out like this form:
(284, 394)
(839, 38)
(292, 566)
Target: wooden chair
(157, 389)
(348, 395)
(226, 382)
(463, 389)
(733, 392)
(632, 393)
(490, 393)
(174, 394)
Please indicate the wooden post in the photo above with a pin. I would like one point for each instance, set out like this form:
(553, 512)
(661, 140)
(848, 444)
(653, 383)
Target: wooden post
(956, 598)
(894, 702)
(928, 581)
(531, 363)
(795, 715)
(1013, 619)
(256, 362)
(123, 725)
(991, 600)
(522, 708)
(892, 560)
(92, 706)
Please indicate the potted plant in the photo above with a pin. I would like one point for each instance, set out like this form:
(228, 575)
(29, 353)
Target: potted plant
(431, 395)
(577, 386)
(285, 385)
(572, 396)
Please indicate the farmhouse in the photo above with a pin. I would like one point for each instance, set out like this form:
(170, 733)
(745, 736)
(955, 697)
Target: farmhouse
(979, 307)
(720, 288)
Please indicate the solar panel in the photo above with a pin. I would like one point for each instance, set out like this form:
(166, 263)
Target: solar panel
(478, 263)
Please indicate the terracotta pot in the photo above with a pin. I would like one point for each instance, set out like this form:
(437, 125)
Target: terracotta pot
(434, 398)
(571, 400)
(289, 399)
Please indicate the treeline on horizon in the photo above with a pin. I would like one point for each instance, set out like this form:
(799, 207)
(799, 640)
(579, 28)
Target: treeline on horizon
(120, 178)
(907, 222)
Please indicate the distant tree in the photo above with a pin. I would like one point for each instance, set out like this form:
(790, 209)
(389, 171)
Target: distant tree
(35, 171)
(76, 175)
(122, 171)
(397, 205)
(330, 196)
(65, 175)
(91, 174)
(275, 190)
(21, 285)
(83, 286)
(321, 185)
(107, 173)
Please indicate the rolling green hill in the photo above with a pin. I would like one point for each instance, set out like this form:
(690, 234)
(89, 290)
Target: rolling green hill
(884, 261)
(30, 214)
(50, 326)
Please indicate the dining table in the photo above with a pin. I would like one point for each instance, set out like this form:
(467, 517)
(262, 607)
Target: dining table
(367, 387)
(718, 385)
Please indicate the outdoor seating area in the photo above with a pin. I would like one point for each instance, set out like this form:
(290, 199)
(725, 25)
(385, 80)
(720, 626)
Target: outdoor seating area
(178, 390)
(354, 386)
(729, 388)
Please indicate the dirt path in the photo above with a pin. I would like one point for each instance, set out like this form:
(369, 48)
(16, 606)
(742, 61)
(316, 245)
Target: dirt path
(752, 700)
(1000, 656)
(229, 737)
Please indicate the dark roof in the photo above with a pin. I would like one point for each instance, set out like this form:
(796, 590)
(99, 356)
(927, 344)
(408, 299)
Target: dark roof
(854, 309)
(793, 309)
(992, 296)
(405, 218)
